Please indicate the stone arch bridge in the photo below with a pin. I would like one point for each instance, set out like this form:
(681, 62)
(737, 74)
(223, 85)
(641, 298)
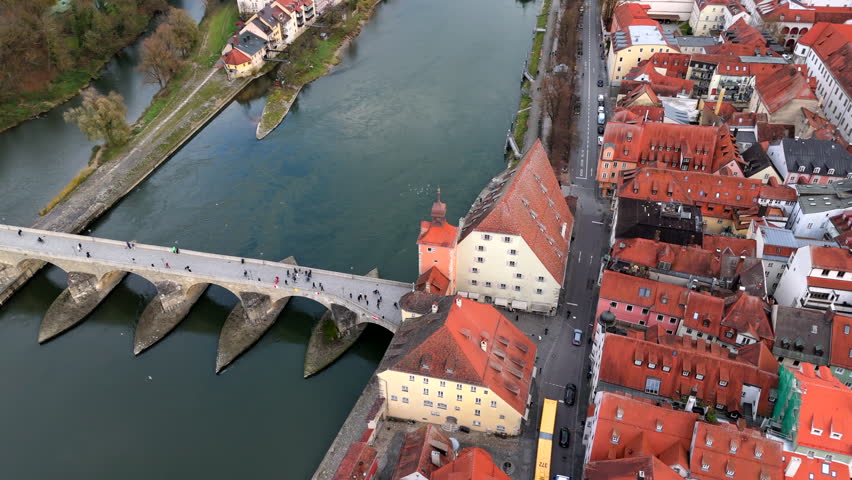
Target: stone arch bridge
(95, 266)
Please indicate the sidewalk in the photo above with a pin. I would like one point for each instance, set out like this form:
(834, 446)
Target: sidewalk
(537, 129)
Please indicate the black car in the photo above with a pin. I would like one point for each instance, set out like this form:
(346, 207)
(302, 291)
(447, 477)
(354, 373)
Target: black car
(564, 437)
(570, 393)
(600, 129)
(600, 83)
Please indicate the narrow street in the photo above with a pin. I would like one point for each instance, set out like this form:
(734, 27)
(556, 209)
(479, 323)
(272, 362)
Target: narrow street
(568, 363)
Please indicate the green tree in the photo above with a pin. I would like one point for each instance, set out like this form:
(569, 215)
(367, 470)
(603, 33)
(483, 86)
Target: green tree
(183, 31)
(101, 118)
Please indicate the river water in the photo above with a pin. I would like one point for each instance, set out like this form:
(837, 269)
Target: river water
(422, 98)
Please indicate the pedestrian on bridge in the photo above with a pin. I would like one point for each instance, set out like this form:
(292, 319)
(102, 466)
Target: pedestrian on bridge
(129, 246)
(167, 263)
(79, 247)
(87, 255)
(245, 273)
(39, 240)
(19, 232)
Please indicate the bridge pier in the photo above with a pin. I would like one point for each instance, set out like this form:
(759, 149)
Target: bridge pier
(165, 311)
(85, 291)
(240, 331)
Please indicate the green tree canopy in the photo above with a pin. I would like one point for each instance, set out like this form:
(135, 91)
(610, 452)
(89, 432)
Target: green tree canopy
(101, 117)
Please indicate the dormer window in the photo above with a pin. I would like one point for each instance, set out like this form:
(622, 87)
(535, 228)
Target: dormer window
(734, 446)
(638, 363)
(699, 376)
(816, 431)
(685, 373)
(816, 169)
(831, 171)
(723, 383)
(708, 440)
(615, 437)
(802, 168)
(652, 365)
(835, 435)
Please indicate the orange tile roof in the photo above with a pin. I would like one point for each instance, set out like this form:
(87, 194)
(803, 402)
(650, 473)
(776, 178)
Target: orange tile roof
(688, 259)
(415, 455)
(704, 313)
(799, 467)
(638, 114)
(438, 232)
(629, 468)
(745, 34)
(708, 148)
(667, 85)
(663, 297)
(841, 341)
(748, 314)
(827, 406)
(447, 345)
(831, 258)
(781, 87)
(718, 449)
(636, 93)
(784, 193)
(822, 128)
(675, 64)
(681, 354)
(528, 202)
(472, 463)
(637, 428)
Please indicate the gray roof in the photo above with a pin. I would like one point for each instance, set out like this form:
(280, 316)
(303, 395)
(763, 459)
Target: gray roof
(815, 153)
(755, 157)
(249, 43)
(695, 41)
(778, 237)
(746, 136)
(675, 114)
(761, 59)
(801, 334)
(815, 198)
(815, 242)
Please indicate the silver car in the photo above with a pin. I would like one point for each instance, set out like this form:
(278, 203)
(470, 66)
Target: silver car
(578, 337)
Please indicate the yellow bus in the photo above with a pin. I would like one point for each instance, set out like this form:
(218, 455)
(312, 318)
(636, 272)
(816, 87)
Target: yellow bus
(545, 440)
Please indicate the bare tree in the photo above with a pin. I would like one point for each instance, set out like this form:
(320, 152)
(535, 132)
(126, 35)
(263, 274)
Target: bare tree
(555, 89)
(159, 63)
(101, 117)
(607, 9)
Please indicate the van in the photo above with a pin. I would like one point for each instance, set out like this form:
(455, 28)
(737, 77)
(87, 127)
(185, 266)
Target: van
(600, 99)
(601, 118)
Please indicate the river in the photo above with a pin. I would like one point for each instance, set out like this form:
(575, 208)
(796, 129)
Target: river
(422, 98)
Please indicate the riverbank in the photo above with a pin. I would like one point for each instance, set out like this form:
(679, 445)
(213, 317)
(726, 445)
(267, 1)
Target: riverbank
(531, 66)
(25, 106)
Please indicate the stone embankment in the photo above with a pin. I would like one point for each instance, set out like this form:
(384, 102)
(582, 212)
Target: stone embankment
(278, 104)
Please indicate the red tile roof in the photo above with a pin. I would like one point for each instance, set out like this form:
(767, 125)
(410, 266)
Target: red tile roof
(784, 193)
(642, 89)
(629, 468)
(433, 281)
(473, 463)
(632, 14)
(675, 64)
(822, 128)
(448, 345)
(831, 258)
(778, 89)
(745, 34)
(438, 232)
(527, 202)
(687, 259)
(666, 85)
(664, 144)
(826, 406)
(748, 314)
(357, 463)
(719, 449)
(833, 45)
(704, 313)
(415, 455)
(662, 297)
(693, 188)
(634, 420)
(679, 354)
(737, 246)
(638, 114)
(799, 467)
(235, 57)
(841, 341)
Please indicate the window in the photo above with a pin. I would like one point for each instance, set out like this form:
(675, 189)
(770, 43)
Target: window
(512, 263)
(442, 406)
(846, 329)
(442, 383)
(479, 260)
(652, 365)
(458, 386)
(425, 391)
(517, 288)
(480, 248)
(478, 401)
(723, 383)
(486, 237)
(404, 399)
(652, 385)
(430, 249)
(476, 423)
(519, 276)
(839, 370)
(699, 376)
(507, 239)
(488, 284)
(473, 389)
(477, 413)
(502, 286)
(411, 378)
(474, 270)
(825, 468)
(638, 363)
(538, 291)
(440, 394)
(502, 417)
(501, 428)
(659, 318)
(685, 373)
(458, 398)
(427, 403)
(644, 292)
(425, 381)
(540, 279)
(630, 308)
(493, 404)
(513, 252)
(393, 398)
(613, 304)
(644, 311)
(667, 368)
(404, 388)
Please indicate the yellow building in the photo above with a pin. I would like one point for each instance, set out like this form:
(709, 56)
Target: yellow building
(708, 16)
(461, 364)
(634, 37)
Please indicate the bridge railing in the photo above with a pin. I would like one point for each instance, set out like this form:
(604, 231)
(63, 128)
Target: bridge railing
(167, 251)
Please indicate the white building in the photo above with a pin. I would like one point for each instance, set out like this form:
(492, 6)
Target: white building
(248, 8)
(818, 278)
(816, 204)
(513, 243)
(827, 50)
(677, 10)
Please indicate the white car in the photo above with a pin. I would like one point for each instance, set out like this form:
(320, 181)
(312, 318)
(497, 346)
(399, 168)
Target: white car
(601, 109)
(600, 140)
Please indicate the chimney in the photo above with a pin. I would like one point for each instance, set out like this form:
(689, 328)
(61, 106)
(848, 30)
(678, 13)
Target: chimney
(719, 101)
(434, 308)
(458, 302)
(741, 424)
(483, 345)
(619, 413)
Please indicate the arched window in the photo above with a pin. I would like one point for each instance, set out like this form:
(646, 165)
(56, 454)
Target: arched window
(785, 30)
(794, 31)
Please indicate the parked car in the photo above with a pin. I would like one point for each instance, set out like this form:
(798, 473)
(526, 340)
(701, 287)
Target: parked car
(600, 140)
(601, 118)
(564, 437)
(578, 337)
(601, 109)
(600, 83)
(570, 393)
(600, 129)
(600, 99)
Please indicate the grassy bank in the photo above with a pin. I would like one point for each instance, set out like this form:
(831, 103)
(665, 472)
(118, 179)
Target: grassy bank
(277, 105)
(521, 124)
(219, 25)
(538, 40)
